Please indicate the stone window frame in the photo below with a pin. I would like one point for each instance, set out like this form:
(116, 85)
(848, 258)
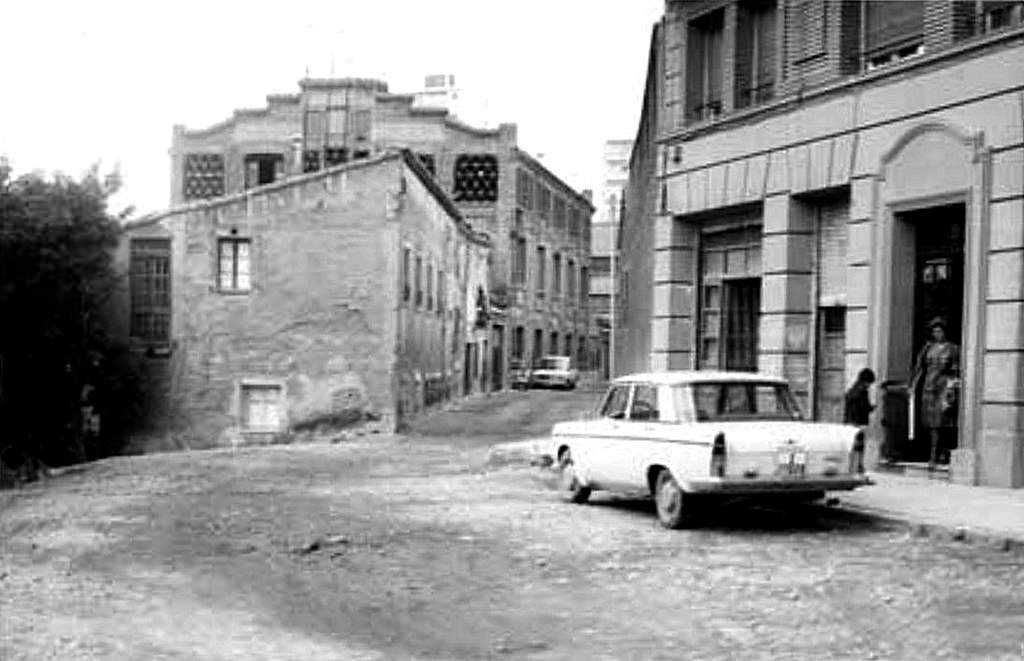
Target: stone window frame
(240, 403)
(234, 285)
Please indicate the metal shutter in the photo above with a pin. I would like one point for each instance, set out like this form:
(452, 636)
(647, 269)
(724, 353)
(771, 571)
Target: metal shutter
(832, 245)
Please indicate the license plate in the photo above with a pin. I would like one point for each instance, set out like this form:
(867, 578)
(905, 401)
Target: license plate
(791, 461)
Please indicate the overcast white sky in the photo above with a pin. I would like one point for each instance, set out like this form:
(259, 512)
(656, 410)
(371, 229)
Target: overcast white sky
(106, 80)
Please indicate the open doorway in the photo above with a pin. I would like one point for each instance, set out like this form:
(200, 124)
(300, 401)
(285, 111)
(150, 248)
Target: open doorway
(937, 292)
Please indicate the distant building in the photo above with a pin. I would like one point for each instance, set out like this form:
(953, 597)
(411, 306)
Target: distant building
(812, 183)
(355, 294)
(603, 283)
(439, 91)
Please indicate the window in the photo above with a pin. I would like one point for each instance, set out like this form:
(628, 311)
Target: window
(518, 260)
(310, 160)
(645, 404)
(730, 298)
(524, 190)
(419, 281)
(204, 176)
(335, 156)
(262, 408)
(150, 286)
(233, 264)
(894, 30)
(1002, 14)
(442, 292)
(541, 275)
(558, 213)
(430, 287)
(263, 169)
(553, 347)
(543, 201)
(755, 53)
(584, 286)
(476, 178)
(556, 274)
(810, 19)
(518, 342)
(574, 221)
(742, 400)
(406, 280)
(362, 121)
(615, 403)
(570, 280)
(704, 67)
(538, 344)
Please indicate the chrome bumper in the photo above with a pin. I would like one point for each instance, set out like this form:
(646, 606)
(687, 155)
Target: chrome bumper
(737, 485)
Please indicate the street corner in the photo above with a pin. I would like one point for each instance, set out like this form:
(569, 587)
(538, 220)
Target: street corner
(528, 452)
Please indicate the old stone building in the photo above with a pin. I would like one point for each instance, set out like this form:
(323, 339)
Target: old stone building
(353, 294)
(813, 182)
(538, 225)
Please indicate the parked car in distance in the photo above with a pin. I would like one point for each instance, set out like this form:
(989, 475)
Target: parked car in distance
(519, 374)
(688, 438)
(554, 372)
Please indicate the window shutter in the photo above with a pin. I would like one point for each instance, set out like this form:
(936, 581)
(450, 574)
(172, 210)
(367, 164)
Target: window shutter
(893, 23)
(833, 241)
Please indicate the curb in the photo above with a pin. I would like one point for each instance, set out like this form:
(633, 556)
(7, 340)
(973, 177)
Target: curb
(976, 536)
(534, 452)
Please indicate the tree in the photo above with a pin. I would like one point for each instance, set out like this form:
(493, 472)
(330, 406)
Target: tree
(56, 271)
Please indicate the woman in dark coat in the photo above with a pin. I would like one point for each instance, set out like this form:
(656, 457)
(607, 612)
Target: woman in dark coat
(937, 367)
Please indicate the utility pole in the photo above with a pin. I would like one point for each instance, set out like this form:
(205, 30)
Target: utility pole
(612, 301)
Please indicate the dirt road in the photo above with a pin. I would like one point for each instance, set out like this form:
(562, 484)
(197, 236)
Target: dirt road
(413, 547)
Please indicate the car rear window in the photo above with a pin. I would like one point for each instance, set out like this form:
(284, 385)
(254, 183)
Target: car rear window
(738, 400)
(554, 363)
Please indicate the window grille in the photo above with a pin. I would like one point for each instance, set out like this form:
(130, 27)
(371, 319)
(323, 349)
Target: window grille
(476, 178)
(204, 176)
(150, 289)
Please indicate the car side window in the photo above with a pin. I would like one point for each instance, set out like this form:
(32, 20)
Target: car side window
(615, 404)
(706, 396)
(645, 404)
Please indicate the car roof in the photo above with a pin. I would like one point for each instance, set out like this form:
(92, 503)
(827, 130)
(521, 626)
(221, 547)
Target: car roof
(682, 377)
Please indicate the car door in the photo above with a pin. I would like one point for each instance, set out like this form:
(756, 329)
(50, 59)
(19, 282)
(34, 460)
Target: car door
(639, 439)
(601, 457)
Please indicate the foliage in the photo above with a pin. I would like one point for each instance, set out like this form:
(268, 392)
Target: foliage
(56, 273)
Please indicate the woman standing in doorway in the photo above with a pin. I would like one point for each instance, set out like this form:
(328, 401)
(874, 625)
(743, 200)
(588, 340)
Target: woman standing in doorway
(938, 363)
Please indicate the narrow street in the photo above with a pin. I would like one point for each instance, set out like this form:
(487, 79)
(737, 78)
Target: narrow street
(415, 547)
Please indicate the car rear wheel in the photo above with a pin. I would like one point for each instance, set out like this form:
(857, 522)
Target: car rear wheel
(568, 479)
(673, 509)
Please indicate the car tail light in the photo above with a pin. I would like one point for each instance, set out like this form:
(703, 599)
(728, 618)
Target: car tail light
(857, 453)
(718, 456)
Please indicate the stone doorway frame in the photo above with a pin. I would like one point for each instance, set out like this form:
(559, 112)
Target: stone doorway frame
(903, 184)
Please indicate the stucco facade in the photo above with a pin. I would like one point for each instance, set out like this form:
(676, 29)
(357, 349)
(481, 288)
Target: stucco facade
(283, 307)
(498, 189)
(863, 196)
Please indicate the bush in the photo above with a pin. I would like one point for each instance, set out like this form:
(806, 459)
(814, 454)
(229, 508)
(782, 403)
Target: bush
(56, 363)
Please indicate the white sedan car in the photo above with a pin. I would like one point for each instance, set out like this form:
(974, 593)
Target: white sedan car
(686, 436)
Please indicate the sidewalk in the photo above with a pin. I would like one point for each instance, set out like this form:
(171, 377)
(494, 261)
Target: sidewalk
(984, 515)
(977, 514)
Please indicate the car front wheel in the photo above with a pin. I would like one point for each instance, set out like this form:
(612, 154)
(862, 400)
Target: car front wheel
(671, 502)
(568, 479)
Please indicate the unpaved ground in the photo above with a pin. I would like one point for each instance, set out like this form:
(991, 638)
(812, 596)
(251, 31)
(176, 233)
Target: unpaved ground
(415, 547)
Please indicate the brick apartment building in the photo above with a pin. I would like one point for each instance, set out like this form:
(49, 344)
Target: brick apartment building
(539, 226)
(353, 293)
(812, 182)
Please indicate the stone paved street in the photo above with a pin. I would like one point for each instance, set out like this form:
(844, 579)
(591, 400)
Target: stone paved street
(415, 547)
